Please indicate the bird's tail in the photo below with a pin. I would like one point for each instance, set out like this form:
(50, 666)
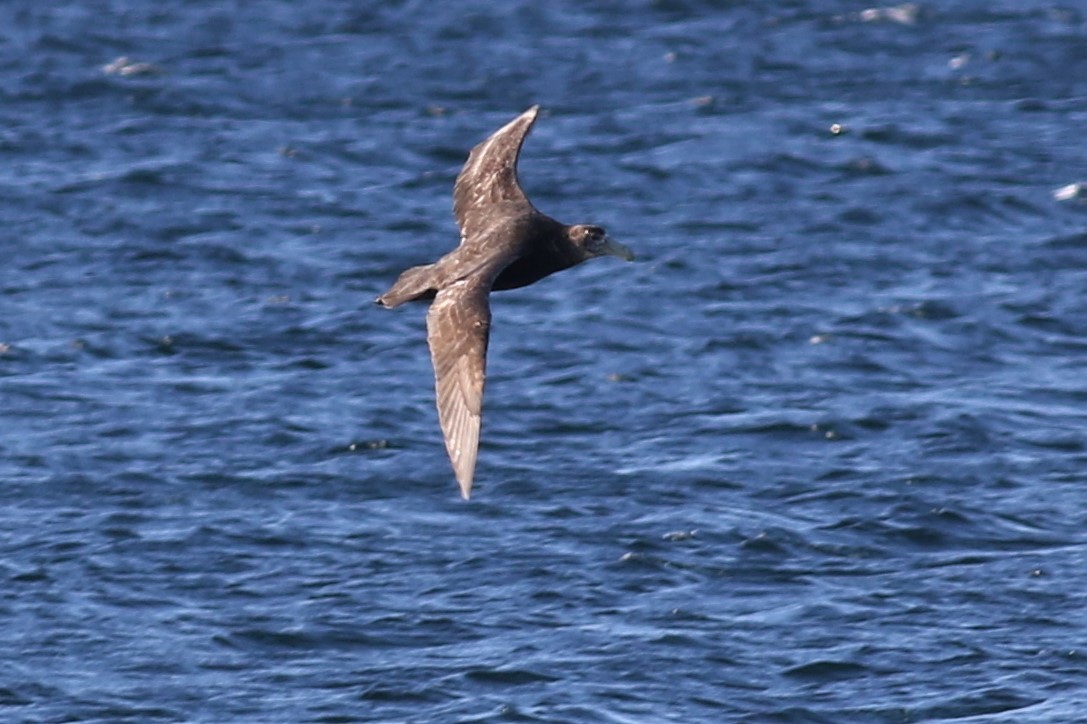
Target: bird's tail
(413, 283)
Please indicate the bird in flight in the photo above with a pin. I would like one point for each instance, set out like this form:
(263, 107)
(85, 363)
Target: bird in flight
(505, 243)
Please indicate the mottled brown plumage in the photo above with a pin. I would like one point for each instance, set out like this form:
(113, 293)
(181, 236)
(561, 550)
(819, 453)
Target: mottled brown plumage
(505, 243)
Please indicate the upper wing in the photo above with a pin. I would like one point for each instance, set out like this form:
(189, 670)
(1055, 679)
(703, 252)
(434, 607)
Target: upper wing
(458, 327)
(490, 175)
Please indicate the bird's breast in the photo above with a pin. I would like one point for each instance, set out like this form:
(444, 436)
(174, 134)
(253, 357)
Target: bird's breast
(528, 270)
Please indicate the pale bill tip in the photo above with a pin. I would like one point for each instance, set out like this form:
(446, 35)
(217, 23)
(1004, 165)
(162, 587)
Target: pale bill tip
(614, 248)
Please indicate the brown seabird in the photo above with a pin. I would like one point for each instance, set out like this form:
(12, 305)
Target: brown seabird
(505, 243)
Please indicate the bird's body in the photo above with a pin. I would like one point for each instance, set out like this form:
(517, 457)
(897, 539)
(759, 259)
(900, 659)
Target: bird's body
(505, 244)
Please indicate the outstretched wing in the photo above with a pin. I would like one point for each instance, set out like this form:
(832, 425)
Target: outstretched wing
(489, 176)
(458, 327)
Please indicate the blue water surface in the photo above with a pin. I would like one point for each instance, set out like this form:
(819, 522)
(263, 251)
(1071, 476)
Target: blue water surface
(820, 455)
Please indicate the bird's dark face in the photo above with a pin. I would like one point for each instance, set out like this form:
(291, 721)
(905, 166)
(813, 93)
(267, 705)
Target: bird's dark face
(594, 241)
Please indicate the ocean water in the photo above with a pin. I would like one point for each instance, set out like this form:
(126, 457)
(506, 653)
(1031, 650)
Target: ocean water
(819, 455)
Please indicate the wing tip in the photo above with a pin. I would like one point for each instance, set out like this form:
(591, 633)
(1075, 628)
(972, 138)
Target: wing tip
(465, 487)
(530, 115)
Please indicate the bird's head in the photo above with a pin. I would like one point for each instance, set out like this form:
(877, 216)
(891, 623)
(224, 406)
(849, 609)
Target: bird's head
(594, 241)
